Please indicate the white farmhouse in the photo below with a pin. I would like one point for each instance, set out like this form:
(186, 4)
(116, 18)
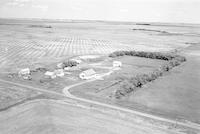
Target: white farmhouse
(87, 74)
(50, 74)
(25, 71)
(117, 63)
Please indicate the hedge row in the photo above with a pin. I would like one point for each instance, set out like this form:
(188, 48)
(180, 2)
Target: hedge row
(69, 63)
(152, 55)
(130, 84)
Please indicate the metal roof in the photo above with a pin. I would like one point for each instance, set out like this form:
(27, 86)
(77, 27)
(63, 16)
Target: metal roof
(89, 72)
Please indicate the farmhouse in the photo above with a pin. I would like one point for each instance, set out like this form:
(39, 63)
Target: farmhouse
(50, 74)
(87, 74)
(117, 64)
(25, 71)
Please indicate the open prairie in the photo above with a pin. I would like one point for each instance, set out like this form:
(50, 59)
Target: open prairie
(44, 43)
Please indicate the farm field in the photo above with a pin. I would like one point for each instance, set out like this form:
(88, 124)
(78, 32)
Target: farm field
(45, 116)
(22, 45)
(12, 95)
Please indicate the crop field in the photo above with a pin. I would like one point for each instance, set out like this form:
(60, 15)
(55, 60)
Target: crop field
(20, 43)
(20, 52)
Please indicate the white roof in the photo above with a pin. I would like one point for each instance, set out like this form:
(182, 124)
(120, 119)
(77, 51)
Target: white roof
(89, 72)
(49, 73)
(24, 71)
(117, 62)
(77, 60)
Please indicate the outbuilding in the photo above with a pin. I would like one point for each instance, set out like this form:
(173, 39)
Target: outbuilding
(87, 74)
(59, 72)
(76, 60)
(60, 65)
(50, 74)
(25, 71)
(117, 63)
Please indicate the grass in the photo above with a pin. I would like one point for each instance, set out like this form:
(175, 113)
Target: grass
(130, 65)
(11, 95)
(176, 94)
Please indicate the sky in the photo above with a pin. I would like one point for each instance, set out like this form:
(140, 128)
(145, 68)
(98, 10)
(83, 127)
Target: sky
(176, 11)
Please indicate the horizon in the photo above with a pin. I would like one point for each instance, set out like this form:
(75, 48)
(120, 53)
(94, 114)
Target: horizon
(150, 11)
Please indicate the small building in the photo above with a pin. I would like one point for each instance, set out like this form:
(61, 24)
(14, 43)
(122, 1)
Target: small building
(76, 60)
(59, 72)
(50, 74)
(25, 71)
(117, 63)
(60, 65)
(27, 77)
(74, 68)
(87, 74)
(67, 68)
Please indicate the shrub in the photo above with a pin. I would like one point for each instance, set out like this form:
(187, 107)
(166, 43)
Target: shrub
(70, 63)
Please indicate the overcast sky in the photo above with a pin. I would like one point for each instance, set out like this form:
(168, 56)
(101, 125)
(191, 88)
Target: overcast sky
(186, 11)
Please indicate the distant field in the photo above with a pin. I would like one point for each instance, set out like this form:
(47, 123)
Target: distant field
(21, 52)
(22, 44)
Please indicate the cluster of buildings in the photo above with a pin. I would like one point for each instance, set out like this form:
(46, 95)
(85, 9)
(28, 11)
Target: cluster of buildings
(60, 72)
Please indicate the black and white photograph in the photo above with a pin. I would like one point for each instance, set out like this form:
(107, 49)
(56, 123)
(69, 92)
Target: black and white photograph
(99, 66)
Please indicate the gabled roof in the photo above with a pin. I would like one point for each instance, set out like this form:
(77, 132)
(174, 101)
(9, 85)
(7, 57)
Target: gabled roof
(49, 73)
(89, 72)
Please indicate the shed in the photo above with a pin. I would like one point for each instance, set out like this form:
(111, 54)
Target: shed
(50, 74)
(117, 63)
(59, 72)
(87, 74)
(76, 60)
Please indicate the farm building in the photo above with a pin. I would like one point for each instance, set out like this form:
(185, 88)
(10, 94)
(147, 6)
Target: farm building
(59, 72)
(25, 71)
(74, 68)
(60, 65)
(76, 60)
(50, 74)
(87, 74)
(117, 63)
